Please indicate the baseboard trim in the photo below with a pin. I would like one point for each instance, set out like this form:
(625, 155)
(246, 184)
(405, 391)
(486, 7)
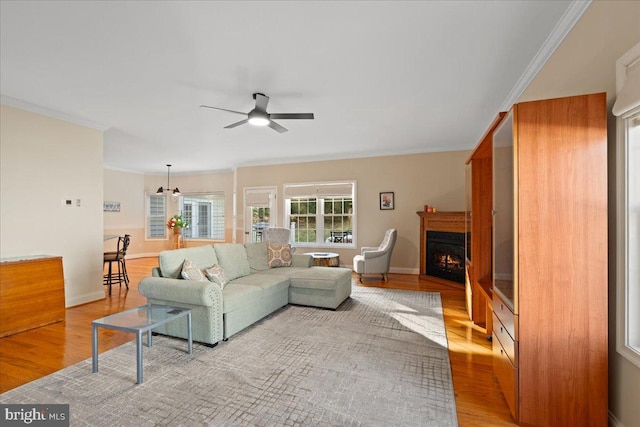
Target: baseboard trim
(397, 270)
(143, 255)
(613, 421)
(414, 271)
(83, 299)
(401, 270)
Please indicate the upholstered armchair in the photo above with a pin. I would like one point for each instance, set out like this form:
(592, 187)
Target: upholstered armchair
(376, 259)
(277, 235)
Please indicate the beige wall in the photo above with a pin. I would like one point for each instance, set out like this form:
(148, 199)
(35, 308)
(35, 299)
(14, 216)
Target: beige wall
(436, 179)
(585, 63)
(42, 162)
(129, 189)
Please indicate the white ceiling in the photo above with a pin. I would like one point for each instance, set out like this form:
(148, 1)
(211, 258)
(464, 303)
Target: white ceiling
(381, 77)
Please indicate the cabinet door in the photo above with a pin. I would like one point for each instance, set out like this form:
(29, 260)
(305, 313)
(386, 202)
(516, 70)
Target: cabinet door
(504, 214)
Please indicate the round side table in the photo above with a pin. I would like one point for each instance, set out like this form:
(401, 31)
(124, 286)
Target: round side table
(325, 259)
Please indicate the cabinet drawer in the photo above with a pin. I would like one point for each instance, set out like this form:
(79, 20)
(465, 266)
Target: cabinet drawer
(507, 376)
(506, 316)
(509, 345)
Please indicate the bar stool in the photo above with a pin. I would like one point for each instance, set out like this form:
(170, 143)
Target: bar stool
(117, 257)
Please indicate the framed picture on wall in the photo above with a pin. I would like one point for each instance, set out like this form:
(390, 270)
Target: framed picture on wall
(387, 201)
(111, 206)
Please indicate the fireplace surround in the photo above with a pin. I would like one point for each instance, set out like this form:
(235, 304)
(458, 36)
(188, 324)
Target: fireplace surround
(452, 223)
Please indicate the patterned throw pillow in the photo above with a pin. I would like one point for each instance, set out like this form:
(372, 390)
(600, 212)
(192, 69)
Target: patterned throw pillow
(191, 272)
(279, 255)
(216, 275)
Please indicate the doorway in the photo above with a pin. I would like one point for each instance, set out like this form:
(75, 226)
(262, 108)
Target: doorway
(260, 212)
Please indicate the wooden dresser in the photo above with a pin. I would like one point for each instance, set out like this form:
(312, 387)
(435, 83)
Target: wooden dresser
(548, 258)
(31, 293)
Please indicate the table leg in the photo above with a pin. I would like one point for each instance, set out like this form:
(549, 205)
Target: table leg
(189, 333)
(139, 355)
(149, 338)
(94, 347)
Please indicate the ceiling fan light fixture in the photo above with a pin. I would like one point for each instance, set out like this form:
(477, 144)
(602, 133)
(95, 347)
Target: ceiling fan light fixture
(258, 121)
(258, 118)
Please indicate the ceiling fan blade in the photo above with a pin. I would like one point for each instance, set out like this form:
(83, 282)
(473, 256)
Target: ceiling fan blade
(291, 116)
(261, 101)
(232, 125)
(273, 125)
(223, 109)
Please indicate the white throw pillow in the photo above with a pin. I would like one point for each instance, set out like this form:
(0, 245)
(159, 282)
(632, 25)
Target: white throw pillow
(216, 275)
(191, 272)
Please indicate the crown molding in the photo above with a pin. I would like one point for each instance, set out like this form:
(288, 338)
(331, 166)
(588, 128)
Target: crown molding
(573, 13)
(25, 105)
(350, 156)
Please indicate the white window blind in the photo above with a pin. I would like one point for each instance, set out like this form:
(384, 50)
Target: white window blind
(258, 199)
(156, 215)
(628, 98)
(338, 189)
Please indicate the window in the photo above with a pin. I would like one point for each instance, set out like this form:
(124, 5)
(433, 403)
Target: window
(205, 215)
(303, 212)
(627, 108)
(321, 214)
(156, 216)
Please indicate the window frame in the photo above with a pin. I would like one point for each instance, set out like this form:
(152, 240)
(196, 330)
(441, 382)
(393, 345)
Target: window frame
(320, 214)
(627, 283)
(626, 344)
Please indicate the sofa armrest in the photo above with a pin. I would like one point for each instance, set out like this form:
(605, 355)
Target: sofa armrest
(181, 291)
(301, 260)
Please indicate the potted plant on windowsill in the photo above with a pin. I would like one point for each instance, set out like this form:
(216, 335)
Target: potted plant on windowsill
(176, 223)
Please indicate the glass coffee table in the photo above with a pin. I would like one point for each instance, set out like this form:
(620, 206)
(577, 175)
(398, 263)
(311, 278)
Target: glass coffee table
(140, 320)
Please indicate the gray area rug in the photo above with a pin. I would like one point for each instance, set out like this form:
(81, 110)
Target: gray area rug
(380, 359)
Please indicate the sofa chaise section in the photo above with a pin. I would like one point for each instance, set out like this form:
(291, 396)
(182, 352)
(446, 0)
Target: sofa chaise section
(324, 287)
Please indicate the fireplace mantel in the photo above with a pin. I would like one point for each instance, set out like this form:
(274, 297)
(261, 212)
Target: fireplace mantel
(439, 221)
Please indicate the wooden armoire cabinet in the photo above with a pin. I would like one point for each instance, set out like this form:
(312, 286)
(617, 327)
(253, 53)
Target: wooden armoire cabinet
(479, 223)
(548, 259)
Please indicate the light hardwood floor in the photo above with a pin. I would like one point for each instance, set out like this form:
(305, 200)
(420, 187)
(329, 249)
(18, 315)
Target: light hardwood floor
(33, 354)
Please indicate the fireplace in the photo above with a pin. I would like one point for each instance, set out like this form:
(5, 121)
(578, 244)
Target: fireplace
(445, 255)
(450, 227)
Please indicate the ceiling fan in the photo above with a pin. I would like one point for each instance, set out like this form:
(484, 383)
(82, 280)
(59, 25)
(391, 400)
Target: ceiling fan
(259, 116)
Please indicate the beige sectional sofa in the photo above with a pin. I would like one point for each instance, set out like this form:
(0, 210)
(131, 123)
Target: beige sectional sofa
(253, 291)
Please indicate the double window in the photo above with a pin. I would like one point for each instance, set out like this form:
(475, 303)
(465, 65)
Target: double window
(203, 212)
(205, 215)
(321, 214)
